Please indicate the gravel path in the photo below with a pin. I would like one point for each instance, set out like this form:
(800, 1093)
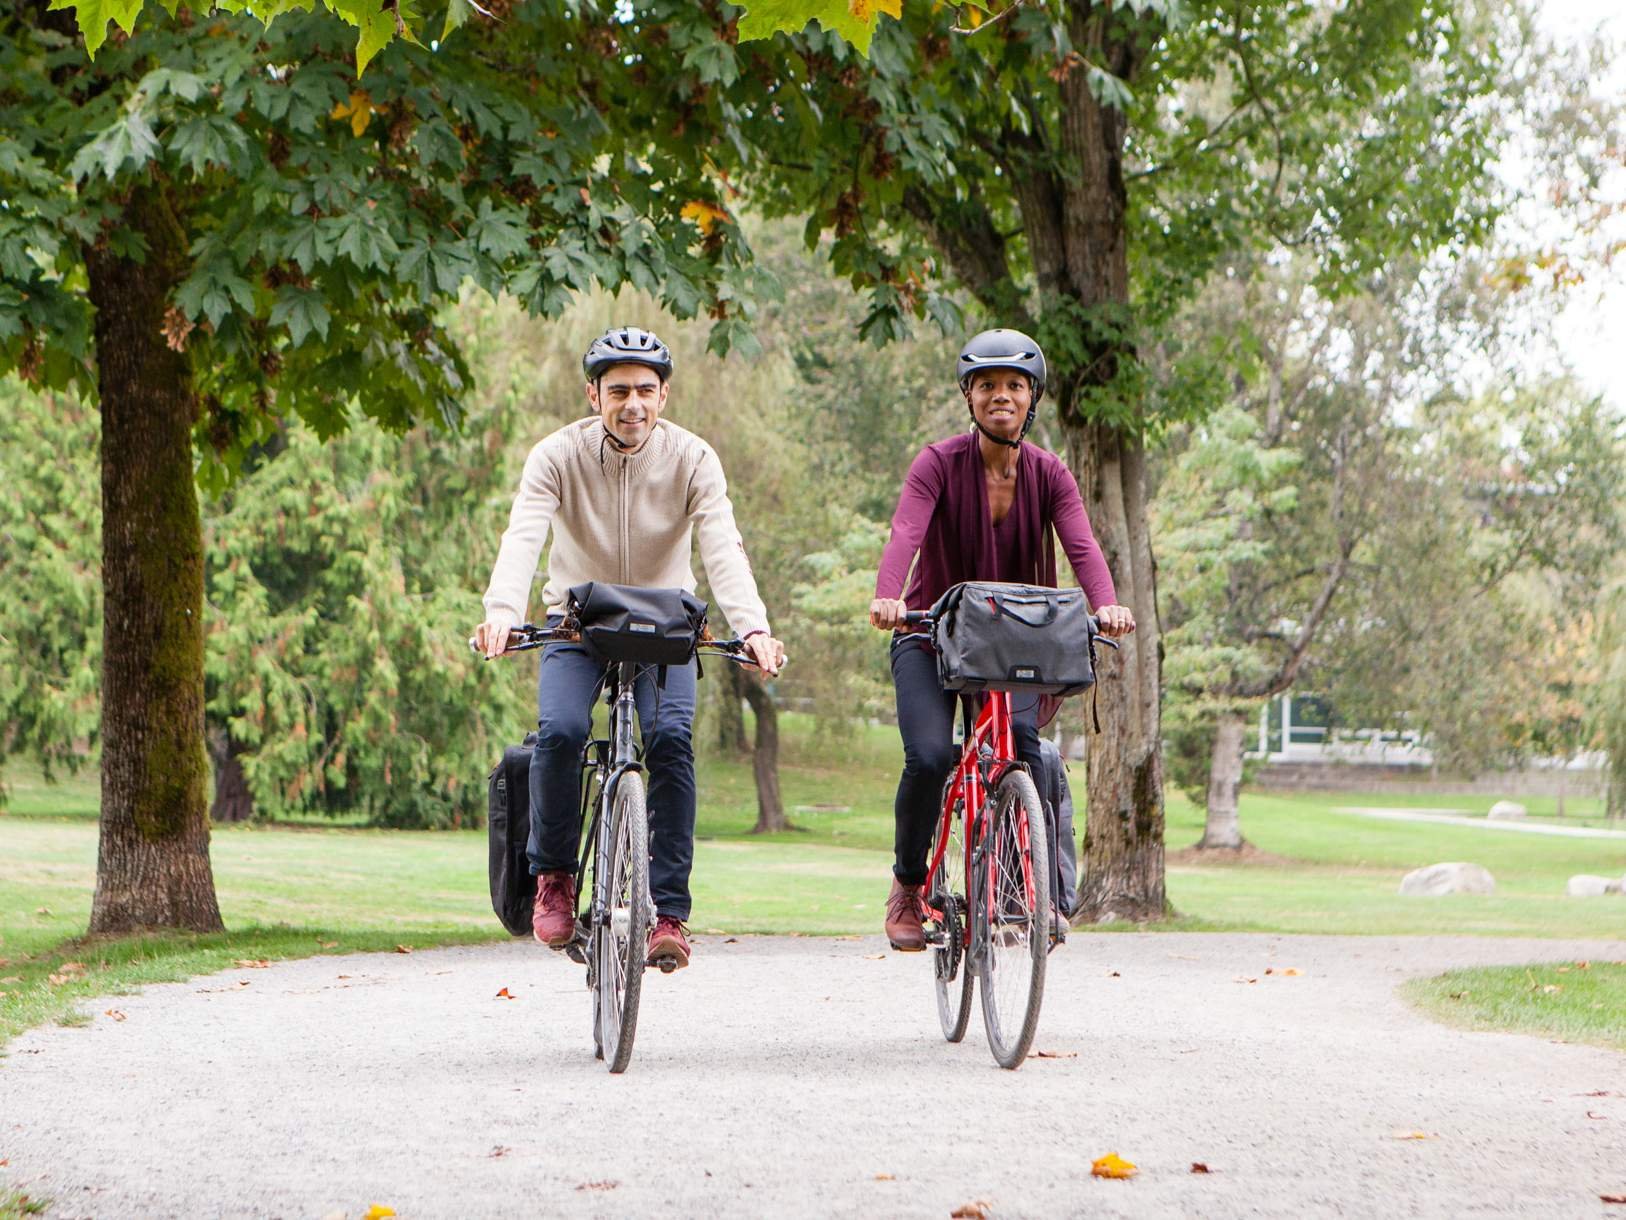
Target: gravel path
(788, 1077)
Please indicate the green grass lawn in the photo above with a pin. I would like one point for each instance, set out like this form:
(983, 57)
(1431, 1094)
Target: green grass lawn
(294, 890)
(1578, 1002)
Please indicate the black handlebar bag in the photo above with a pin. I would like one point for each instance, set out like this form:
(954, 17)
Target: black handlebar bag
(1002, 637)
(646, 626)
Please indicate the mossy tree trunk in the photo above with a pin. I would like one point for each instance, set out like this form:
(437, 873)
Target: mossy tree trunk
(153, 866)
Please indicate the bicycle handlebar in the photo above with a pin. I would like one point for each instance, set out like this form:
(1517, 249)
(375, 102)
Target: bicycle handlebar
(923, 620)
(528, 636)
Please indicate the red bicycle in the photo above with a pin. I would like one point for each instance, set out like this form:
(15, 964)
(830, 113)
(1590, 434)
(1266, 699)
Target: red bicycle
(990, 886)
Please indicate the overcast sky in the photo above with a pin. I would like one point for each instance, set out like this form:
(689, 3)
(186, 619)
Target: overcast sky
(1592, 334)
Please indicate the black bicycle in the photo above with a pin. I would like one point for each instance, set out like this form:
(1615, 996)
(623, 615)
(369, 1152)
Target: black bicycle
(615, 911)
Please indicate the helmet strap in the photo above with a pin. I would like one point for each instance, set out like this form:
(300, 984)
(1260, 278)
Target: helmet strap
(1000, 440)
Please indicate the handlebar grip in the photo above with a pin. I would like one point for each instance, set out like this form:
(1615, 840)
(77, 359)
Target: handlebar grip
(915, 618)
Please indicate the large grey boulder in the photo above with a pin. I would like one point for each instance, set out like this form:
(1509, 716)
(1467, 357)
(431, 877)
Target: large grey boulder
(1584, 885)
(1453, 878)
(1506, 811)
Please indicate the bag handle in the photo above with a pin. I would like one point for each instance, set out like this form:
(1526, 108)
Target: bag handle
(1003, 605)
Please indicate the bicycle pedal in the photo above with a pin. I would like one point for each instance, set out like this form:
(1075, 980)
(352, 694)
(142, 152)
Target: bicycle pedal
(666, 963)
(576, 951)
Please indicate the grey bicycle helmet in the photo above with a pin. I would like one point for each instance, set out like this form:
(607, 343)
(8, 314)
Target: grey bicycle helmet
(1004, 349)
(627, 345)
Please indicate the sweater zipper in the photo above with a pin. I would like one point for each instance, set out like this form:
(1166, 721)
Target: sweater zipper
(626, 531)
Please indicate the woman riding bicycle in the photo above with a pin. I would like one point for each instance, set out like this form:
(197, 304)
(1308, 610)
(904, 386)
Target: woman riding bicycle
(982, 505)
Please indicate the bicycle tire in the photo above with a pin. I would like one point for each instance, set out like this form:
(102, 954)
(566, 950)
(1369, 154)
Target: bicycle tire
(1011, 943)
(952, 976)
(621, 938)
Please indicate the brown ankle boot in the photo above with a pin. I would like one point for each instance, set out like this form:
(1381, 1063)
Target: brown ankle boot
(905, 912)
(553, 917)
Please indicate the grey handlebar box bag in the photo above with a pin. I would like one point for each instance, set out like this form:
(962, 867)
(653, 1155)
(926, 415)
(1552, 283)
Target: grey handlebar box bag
(1003, 637)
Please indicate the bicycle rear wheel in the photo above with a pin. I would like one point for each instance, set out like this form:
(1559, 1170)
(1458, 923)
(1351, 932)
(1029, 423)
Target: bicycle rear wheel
(1011, 906)
(951, 972)
(621, 932)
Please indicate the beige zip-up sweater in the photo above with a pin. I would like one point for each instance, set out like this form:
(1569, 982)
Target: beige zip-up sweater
(623, 518)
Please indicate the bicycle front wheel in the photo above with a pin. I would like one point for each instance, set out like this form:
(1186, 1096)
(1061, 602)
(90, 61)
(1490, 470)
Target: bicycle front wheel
(1011, 911)
(945, 896)
(622, 916)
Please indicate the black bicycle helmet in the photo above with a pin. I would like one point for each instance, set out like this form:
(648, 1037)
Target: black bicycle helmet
(627, 345)
(1004, 349)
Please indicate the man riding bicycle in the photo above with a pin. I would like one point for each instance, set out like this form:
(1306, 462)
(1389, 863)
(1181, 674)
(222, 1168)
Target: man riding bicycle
(623, 492)
(982, 505)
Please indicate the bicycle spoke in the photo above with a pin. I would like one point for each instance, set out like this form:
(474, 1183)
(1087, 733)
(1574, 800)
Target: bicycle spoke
(1013, 912)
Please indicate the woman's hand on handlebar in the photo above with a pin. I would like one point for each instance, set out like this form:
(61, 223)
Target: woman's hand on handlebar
(887, 613)
(767, 652)
(491, 636)
(1115, 620)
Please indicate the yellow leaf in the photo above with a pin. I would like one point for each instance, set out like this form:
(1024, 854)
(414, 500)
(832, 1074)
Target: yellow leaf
(1410, 1135)
(866, 10)
(1112, 1166)
(1291, 972)
(377, 1212)
(973, 17)
(704, 214)
(359, 110)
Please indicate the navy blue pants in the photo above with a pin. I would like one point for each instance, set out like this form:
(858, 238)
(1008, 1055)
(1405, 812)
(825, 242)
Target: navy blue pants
(926, 722)
(570, 674)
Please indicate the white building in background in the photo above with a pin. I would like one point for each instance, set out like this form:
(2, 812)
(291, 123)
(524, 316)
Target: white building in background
(1296, 729)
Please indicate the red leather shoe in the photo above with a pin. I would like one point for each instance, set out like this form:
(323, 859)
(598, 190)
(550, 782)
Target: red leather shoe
(668, 947)
(905, 913)
(553, 918)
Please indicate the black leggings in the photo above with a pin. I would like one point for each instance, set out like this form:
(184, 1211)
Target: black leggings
(926, 722)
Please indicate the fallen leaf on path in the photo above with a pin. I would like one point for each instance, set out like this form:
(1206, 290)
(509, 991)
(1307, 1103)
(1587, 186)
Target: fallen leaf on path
(1112, 1166)
(1242, 978)
(970, 1211)
(403, 948)
(1199, 1167)
(732, 940)
(598, 1185)
(499, 1150)
(1113, 974)
(1270, 970)
(874, 957)
(342, 976)
(1054, 1055)
(251, 963)
(1613, 1198)
(885, 1177)
(377, 1212)
(115, 1014)
(1594, 1093)
(504, 995)
(1410, 1135)
(1292, 972)
(1590, 1114)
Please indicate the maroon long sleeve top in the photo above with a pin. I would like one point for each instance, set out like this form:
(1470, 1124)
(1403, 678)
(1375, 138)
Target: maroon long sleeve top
(943, 516)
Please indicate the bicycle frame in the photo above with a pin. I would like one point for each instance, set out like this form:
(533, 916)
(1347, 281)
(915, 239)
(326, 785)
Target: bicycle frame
(974, 776)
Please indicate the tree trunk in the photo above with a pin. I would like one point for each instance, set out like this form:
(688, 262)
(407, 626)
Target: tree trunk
(233, 801)
(765, 760)
(153, 864)
(1121, 871)
(1224, 781)
(730, 713)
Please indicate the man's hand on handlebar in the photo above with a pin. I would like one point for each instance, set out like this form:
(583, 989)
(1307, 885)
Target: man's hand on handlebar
(887, 613)
(1115, 620)
(491, 636)
(767, 652)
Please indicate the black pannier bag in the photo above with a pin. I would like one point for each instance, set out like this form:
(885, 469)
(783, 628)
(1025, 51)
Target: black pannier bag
(1028, 638)
(647, 626)
(508, 826)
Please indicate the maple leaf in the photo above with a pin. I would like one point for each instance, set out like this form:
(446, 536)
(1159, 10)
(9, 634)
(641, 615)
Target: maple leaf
(359, 110)
(1112, 1166)
(93, 16)
(853, 20)
(706, 215)
(503, 995)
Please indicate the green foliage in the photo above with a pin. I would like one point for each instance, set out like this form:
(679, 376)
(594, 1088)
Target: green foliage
(328, 221)
(1608, 703)
(1355, 134)
(854, 20)
(50, 569)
